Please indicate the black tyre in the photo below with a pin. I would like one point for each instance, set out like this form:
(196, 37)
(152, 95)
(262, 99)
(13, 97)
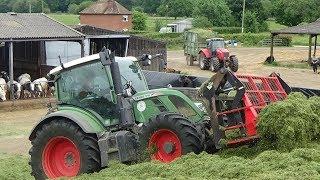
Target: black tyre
(234, 64)
(189, 59)
(215, 65)
(61, 148)
(203, 62)
(169, 136)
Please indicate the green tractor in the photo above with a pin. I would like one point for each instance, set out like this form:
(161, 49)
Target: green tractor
(105, 111)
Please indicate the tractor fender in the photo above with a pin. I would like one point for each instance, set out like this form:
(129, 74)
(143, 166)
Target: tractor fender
(206, 52)
(83, 121)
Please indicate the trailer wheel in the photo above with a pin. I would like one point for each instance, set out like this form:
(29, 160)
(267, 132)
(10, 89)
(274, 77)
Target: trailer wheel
(169, 136)
(214, 65)
(62, 149)
(203, 62)
(189, 59)
(234, 64)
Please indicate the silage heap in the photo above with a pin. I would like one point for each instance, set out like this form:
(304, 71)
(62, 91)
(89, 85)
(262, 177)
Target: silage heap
(291, 123)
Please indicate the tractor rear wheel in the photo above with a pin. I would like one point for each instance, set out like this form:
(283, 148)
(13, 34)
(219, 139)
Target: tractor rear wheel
(203, 62)
(189, 59)
(62, 149)
(214, 65)
(169, 136)
(234, 64)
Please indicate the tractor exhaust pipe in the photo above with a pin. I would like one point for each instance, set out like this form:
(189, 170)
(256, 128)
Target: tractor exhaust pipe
(122, 105)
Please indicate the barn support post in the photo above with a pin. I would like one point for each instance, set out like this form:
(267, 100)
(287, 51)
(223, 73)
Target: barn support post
(127, 47)
(11, 69)
(82, 47)
(310, 48)
(315, 46)
(272, 45)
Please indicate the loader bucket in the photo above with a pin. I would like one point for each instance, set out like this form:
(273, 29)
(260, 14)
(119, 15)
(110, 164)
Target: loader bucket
(259, 92)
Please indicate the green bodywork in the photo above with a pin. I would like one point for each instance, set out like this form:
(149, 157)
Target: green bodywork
(98, 111)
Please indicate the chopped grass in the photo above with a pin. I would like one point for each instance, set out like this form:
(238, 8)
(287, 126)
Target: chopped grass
(68, 19)
(291, 123)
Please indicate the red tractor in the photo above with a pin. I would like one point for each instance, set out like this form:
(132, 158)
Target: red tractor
(211, 53)
(215, 56)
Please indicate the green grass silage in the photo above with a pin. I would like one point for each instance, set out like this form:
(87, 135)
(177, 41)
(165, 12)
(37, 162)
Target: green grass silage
(289, 150)
(291, 123)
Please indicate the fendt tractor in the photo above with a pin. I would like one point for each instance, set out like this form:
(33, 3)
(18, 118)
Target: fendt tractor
(106, 112)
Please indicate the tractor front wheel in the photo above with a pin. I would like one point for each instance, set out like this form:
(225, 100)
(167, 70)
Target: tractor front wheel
(169, 136)
(203, 62)
(234, 64)
(62, 149)
(214, 65)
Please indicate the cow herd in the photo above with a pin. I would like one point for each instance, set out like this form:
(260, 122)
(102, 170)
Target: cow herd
(23, 87)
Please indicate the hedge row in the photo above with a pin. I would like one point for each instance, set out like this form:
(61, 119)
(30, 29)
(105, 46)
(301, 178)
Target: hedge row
(176, 40)
(227, 30)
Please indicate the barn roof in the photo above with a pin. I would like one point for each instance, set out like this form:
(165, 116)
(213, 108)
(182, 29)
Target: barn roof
(311, 28)
(34, 26)
(106, 7)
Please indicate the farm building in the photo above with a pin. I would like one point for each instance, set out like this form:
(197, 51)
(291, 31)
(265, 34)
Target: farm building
(32, 43)
(124, 45)
(178, 26)
(107, 14)
(23, 39)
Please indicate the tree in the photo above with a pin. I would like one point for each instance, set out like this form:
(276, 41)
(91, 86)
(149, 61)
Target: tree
(255, 6)
(21, 6)
(73, 8)
(176, 8)
(202, 22)
(250, 22)
(149, 6)
(217, 11)
(84, 5)
(139, 21)
(6, 5)
(294, 12)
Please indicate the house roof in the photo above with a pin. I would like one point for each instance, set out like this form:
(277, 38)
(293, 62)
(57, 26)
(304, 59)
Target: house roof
(106, 7)
(34, 26)
(311, 28)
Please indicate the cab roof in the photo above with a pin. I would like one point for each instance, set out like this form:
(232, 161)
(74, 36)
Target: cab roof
(84, 60)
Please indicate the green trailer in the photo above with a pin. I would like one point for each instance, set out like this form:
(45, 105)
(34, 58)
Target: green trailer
(193, 43)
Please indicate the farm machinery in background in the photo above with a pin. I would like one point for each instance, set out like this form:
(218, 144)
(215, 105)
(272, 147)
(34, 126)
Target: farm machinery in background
(106, 113)
(210, 53)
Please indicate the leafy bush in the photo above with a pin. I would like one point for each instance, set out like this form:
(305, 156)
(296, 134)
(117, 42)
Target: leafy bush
(286, 40)
(227, 30)
(201, 22)
(291, 123)
(158, 25)
(139, 21)
(247, 39)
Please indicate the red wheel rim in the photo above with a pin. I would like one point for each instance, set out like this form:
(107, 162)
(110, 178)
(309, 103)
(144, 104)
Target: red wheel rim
(61, 157)
(167, 144)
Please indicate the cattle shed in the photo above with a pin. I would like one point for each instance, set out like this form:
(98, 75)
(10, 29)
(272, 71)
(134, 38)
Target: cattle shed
(23, 39)
(125, 45)
(311, 29)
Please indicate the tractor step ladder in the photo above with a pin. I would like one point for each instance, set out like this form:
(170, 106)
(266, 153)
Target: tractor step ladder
(260, 91)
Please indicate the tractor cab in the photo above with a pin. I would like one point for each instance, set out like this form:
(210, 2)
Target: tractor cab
(87, 84)
(215, 43)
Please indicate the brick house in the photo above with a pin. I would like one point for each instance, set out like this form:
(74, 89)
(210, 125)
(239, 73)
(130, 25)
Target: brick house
(107, 14)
